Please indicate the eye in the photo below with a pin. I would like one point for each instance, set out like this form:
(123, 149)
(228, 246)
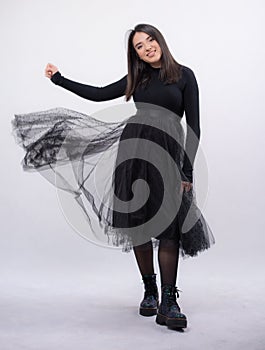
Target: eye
(138, 47)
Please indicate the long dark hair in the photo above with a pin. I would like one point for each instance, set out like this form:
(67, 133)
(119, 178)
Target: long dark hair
(138, 72)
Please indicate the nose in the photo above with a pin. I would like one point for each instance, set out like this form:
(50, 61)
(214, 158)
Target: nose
(148, 47)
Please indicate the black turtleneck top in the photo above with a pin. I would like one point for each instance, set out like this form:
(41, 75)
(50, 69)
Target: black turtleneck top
(179, 97)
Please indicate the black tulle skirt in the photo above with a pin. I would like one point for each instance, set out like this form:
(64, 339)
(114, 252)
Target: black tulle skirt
(125, 176)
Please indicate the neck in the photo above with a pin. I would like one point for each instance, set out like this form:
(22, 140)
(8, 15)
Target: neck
(156, 64)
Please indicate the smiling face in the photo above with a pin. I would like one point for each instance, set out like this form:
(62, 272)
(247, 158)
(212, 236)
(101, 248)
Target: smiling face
(147, 49)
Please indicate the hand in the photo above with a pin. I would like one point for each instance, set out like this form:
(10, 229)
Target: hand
(50, 70)
(187, 186)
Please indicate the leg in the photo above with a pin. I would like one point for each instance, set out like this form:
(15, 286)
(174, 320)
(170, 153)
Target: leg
(144, 257)
(169, 312)
(168, 257)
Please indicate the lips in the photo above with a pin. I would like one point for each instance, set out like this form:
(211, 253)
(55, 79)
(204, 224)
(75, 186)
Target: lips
(151, 54)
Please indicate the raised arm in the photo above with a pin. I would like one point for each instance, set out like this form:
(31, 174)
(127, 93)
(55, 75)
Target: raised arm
(192, 113)
(93, 93)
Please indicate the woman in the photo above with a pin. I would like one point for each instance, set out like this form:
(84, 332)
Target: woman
(162, 90)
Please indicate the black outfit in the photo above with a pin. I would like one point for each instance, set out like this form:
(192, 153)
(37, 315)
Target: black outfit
(143, 146)
(179, 97)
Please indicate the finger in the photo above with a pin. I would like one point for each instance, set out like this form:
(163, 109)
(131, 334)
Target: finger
(190, 187)
(180, 189)
(48, 74)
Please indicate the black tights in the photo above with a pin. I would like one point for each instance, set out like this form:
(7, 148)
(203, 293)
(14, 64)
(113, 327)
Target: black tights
(168, 257)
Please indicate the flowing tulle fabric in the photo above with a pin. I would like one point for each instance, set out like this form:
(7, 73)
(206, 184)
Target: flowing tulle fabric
(127, 173)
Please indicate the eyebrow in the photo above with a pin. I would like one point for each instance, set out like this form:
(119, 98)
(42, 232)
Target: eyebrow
(141, 41)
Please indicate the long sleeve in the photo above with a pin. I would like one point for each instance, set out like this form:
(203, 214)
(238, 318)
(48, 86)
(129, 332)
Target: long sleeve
(93, 93)
(191, 107)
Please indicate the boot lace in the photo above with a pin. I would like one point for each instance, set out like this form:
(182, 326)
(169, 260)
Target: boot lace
(170, 299)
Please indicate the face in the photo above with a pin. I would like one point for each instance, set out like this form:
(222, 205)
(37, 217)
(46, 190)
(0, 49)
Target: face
(147, 49)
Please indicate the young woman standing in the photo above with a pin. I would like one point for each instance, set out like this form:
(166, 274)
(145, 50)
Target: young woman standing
(154, 79)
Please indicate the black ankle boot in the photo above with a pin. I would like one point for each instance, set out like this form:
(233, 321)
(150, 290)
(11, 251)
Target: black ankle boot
(169, 312)
(149, 304)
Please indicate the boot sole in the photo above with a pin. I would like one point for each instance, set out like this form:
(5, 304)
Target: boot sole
(171, 322)
(148, 312)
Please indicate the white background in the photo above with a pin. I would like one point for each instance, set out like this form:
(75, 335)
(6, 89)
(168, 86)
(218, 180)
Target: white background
(60, 291)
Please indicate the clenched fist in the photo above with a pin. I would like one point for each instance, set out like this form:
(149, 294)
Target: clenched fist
(50, 70)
